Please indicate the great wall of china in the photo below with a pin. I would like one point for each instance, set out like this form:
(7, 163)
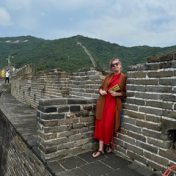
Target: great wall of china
(61, 121)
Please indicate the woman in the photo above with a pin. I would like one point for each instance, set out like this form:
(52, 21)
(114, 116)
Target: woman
(109, 106)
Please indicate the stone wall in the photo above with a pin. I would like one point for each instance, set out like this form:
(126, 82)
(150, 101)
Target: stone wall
(65, 106)
(65, 126)
(16, 157)
(150, 113)
(29, 88)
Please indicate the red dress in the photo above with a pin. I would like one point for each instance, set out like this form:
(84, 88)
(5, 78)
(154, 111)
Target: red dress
(104, 128)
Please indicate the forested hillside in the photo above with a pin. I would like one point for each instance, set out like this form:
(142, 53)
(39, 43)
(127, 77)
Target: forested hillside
(68, 54)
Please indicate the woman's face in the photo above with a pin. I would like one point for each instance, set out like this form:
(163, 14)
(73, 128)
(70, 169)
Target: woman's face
(116, 66)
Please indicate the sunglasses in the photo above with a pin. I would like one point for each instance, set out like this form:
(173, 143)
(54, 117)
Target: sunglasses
(115, 64)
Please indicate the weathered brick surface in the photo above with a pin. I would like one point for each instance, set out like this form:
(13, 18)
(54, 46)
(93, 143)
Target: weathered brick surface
(149, 113)
(31, 89)
(67, 130)
(146, 146)
(136, 157)
(16, 156)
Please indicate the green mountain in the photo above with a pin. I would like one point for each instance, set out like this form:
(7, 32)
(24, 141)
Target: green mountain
(71, 54)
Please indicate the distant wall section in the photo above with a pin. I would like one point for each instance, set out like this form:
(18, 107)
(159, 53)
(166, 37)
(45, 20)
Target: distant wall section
(29, 88)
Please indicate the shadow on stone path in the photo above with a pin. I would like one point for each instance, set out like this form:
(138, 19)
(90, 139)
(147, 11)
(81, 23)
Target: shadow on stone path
(105, 165)
(21, 115)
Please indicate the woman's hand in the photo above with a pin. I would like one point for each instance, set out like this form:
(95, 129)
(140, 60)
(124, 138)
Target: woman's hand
(115, 94)
(102, 92)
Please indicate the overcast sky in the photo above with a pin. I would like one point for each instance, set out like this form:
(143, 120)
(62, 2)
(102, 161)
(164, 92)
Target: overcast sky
(125, 22)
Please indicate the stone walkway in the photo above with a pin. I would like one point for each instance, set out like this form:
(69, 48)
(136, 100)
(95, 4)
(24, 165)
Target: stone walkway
(21, 115)
(105, 165)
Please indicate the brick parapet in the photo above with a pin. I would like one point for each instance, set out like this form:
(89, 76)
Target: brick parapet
(65, 126)
(149, 112)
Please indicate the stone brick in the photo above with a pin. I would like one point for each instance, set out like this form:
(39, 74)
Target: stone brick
(55, 141)
(174, 90)
(133, 148)
(126, 119)
(138, 74)
(167, 81)
(137, 67)
(53, 101)
(49, 136)
(50, 150)
(132, 127)
(153, 96)
(81, 101)
(146, 81)
(87, 107)
(66, 133)
(168, 113)
(134, 114)
(156, 158)
(169, 154)
(160, 74)
(54, 129)
(63, 109)
(149, 125)
(130, 93)
(168, 97)
(127, 139)
(67, 145)
(135, 101)
(57, 154)
(151, 110)
(86, 120)
(50, 109)
(51, 116)
(74, 108)
(139, 95)
(146, 146)
(156, 166)
(75, 137)
(131, 107)
(153, 118)
(160, 143)
(118, 141)
(151, 133)
(162, 89)
(152, 66)
(135, 135)
(137, 157)
(135, 87)
(49, 123)
(172, 115)
(159, 104)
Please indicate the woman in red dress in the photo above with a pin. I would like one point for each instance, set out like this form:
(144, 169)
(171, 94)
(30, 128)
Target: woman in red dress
(109, 106)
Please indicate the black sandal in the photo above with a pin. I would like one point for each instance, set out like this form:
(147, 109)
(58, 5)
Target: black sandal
(108, 149)
(97, 153)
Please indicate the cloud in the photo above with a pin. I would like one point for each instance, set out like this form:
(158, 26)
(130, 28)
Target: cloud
(5, 19)
(134, 23)
(124, 22)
